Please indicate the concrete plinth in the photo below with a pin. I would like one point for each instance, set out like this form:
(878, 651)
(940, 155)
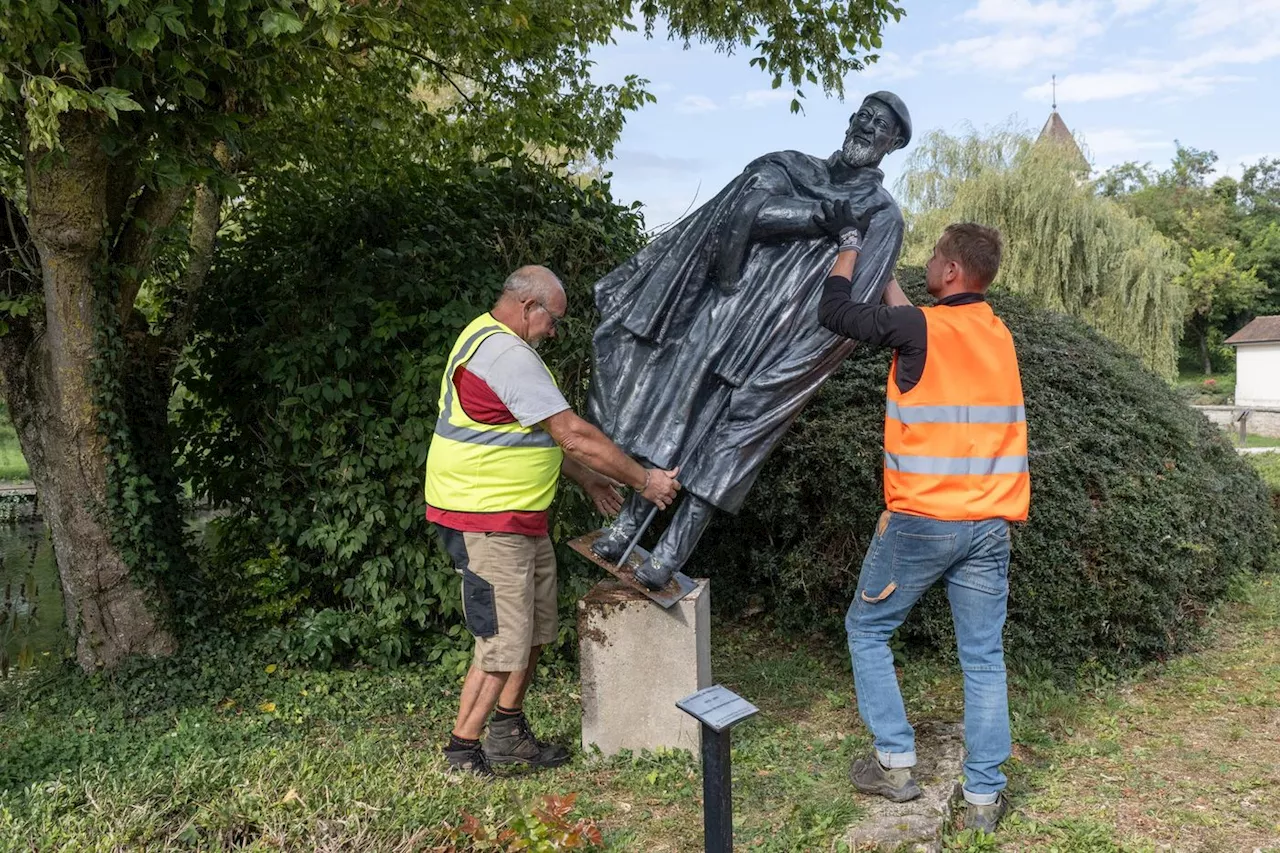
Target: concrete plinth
(637, 659)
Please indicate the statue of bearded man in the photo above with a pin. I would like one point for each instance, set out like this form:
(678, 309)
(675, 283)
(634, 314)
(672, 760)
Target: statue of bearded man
(709, 343)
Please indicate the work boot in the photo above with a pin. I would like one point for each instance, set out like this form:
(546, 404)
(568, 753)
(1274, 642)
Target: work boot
(611, 544)
(609, 547)
(653, 574)
(869, 776)
(512, 742)
(470, 760)
(985, 818)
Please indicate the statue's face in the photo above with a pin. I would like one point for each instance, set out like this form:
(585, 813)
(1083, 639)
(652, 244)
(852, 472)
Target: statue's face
(873, 132)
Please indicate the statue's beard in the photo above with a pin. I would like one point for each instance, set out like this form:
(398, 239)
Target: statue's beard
(857, 153)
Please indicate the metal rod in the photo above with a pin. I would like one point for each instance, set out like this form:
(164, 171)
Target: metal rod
(635, 540)
(721, 405)
(717, 791)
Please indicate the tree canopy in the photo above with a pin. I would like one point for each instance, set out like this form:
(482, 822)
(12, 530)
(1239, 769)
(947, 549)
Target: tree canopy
(1066, 248)
(1226, 230)
(132, 127)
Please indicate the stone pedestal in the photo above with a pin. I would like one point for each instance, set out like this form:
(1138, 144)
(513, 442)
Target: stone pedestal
(637, 659)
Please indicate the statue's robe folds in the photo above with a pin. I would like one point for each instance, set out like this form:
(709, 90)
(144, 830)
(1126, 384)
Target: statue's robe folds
(709, 343)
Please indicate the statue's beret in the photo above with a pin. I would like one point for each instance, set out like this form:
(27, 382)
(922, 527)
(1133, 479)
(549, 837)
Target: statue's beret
(895, 103)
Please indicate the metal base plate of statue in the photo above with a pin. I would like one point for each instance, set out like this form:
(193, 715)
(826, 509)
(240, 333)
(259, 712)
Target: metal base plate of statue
(677, 588)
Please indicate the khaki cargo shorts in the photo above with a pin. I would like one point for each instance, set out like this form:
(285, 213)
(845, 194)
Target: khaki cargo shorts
(508, 594)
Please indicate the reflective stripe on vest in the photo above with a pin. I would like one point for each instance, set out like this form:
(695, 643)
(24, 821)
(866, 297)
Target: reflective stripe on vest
(483, 468)
(956, 414)
(523, 438)
(955, 444)
(958, 466)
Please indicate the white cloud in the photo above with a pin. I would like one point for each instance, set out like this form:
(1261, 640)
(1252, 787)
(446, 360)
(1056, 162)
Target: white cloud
(891, 66)
(1118, 144)
(651, 161)
(1025, 14)
(1129, 82)
(758, 98)
(1210, 17)
(1013, 35)
(1133, 7)
(1235, 166)
(696, 104)
(1010, 52)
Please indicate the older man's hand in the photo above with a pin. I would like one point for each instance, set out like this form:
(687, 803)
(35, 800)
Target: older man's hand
(661, 486)
(604, 494)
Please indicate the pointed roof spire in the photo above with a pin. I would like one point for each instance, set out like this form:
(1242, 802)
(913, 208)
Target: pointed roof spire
(1055, 131)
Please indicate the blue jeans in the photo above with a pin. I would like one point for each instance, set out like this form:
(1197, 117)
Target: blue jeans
(908, 555)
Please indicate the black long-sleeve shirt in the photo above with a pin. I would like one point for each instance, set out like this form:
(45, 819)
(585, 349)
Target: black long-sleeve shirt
(899, 326)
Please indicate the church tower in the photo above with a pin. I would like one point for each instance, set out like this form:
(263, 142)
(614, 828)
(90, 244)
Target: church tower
(1055, 132)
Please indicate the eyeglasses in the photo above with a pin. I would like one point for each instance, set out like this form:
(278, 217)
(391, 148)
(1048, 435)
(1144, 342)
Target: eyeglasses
(555, 321)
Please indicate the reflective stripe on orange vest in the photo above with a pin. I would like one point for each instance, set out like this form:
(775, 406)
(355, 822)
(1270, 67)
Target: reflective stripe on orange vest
(956, 443)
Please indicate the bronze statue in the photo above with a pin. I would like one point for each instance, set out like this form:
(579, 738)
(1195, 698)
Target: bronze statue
(709, 343)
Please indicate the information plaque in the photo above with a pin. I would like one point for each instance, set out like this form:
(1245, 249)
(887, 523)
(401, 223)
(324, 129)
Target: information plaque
(717, 707)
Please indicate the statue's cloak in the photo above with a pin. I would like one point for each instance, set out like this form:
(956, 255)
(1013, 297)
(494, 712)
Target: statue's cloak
(709, 343)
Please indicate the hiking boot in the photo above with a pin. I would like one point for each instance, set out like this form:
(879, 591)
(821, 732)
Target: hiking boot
(471, 760)
(511, 742)
(653, 574)
(985, 818)
(869, 776)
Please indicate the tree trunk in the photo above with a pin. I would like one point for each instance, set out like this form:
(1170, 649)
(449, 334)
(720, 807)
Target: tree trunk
(51, 397)
(1204, 352)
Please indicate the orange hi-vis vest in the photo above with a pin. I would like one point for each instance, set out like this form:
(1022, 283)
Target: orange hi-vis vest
(955, 445)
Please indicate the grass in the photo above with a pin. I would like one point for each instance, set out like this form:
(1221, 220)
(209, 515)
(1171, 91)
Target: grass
(1268, 466)
(218, 750)
(1251, 440)
(1200, 390)
(1187, 758)
(13, 467)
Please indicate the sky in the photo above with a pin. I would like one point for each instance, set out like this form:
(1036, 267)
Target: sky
(1132, 76)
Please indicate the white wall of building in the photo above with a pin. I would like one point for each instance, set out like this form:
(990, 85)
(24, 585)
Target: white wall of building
(1258, 374)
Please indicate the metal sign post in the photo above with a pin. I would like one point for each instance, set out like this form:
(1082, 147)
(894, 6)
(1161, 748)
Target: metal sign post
(718, 709)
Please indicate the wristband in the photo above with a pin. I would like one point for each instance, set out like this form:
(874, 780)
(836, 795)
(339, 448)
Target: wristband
(648, 473)
(850, 240)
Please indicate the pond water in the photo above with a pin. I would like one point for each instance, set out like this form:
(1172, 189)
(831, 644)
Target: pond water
(32, 623)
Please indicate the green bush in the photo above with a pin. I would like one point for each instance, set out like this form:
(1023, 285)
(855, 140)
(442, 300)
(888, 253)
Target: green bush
(1141, 511)
(311, 393)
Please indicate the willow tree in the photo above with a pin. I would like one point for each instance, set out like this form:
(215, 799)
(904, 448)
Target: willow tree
(127, 122)
(1066, 247)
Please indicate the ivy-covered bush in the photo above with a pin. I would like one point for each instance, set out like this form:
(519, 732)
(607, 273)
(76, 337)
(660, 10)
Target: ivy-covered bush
(1141, 513)
(310, 396)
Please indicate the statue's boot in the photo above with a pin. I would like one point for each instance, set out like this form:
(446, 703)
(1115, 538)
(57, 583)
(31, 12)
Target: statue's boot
(615, 540)
(677, 542)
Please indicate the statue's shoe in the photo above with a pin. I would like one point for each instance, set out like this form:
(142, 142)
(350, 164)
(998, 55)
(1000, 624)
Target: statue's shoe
(654, 575)
(610, 546)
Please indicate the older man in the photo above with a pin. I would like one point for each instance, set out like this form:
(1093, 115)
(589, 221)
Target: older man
(710, 345)
(503, 436)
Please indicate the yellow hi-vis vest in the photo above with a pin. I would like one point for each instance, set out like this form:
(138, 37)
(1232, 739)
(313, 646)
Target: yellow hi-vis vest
(478, 467)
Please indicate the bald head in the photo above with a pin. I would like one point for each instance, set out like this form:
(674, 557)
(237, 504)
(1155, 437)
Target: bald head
(532, 303)
(532, 282)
